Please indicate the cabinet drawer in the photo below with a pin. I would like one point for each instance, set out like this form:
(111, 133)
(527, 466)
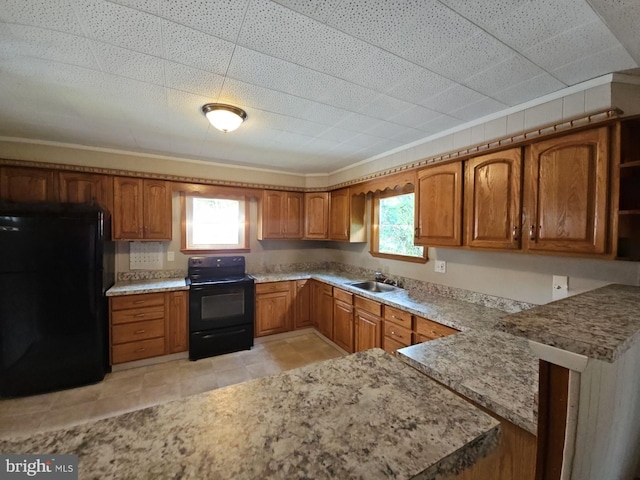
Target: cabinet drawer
(132, 332)
(326, 289)
(390, 345)
(397, 316)
(399, 334)
(432, 329)
(137, 315)
(271, 287)
(343, 296)
(368, 305)
(127, 352)
(137, 301)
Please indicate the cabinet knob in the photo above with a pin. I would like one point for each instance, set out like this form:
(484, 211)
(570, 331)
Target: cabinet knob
(532, 232)
(514, 234)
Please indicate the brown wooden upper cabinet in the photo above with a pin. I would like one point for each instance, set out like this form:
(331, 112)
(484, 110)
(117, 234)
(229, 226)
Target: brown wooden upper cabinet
(316, 208)
(566, 190)
(493, 200)
(439, 206)
(281, 215)
(79, 187)
(346, 216)
(27, 185)
(141, 209)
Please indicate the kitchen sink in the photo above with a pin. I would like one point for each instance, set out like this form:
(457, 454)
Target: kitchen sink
(375, 287)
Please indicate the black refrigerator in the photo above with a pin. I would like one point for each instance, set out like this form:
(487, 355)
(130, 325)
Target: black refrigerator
(56, 264)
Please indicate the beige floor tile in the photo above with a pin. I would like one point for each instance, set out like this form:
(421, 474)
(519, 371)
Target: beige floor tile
(255, 357)
(158, 394)
(130, 372)
(20, 425)
(263, 369)
(109, 407)
(233, 376)
(121, 387)
(165, 376)
(230, 361)
(76, 396)
(199, 384)
(319, 355)
(290, 361)
(196, 369)
(65, 417)
(27, 405)
(274, 345)
(283, 351)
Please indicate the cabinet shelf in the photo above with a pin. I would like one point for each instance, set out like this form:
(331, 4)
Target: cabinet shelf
(634, 164)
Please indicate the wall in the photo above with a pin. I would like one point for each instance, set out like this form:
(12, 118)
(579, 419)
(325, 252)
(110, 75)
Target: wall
(264, 254)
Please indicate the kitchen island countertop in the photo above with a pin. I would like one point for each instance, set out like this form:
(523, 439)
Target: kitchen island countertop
(367, 416)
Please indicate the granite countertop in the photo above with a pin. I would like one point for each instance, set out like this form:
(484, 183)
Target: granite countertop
(366, 416)
(600, 324)
(454, 313)
(134, 287)
(493, 369)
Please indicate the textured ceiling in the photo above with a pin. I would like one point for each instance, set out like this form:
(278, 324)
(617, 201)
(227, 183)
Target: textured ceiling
(325, 83)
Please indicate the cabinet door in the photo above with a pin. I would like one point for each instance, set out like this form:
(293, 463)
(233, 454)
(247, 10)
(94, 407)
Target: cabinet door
(77, 187)
(343, 325)
(339, 215)
(316, 215)
(325, 324)
(368, 331)
(493, 200)
(302, 304)
(176, 316)
(271, 214)
(27, 185)
(293, 215)
(567, 193)
(157, 213)
(273, 308)
(439, 206)
(127, 208)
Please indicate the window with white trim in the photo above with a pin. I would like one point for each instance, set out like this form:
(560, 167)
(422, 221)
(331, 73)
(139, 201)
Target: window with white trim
(214, 224)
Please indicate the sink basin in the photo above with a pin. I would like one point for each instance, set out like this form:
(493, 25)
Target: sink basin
(374, 287)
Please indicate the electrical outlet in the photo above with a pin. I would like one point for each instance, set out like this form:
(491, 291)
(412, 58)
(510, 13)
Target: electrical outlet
(171, 256)
(560, 287)
(441, 266)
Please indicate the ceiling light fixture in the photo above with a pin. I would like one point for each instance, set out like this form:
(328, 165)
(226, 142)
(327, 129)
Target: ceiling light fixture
(225, 118)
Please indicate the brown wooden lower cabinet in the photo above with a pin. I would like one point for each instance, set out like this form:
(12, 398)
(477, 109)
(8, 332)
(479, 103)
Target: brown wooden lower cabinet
(513, 459)
(343, 327)
(148, 325)
(322, 308)
(368, 324)
(302, 303)
(274, 308)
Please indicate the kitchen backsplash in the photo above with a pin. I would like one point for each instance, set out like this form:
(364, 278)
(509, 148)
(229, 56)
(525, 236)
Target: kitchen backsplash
(417, 287)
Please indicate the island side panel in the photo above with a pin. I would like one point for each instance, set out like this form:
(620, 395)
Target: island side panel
(608, 432)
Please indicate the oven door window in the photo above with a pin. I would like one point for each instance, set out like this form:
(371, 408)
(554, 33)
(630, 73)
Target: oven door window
(221, 304)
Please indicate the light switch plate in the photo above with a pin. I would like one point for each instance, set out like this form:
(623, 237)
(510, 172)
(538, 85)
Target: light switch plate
(171, 256)
(441, 266)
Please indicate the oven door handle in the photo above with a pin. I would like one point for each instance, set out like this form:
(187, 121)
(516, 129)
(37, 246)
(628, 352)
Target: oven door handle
(223, 334)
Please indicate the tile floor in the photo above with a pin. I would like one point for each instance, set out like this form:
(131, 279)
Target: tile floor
(137, 388)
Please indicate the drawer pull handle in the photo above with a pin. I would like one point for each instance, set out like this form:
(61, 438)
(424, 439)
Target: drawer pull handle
(139, 315)
(140, 350)
(138, 302)
(137, 332)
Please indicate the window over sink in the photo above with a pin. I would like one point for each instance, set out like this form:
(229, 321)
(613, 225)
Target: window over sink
(392, 227)
(214, 224)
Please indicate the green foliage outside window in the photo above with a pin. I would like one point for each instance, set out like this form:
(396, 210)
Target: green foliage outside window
(396, 226)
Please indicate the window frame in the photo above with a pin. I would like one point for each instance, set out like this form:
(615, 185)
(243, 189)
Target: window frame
(213, 195)
(375, 227)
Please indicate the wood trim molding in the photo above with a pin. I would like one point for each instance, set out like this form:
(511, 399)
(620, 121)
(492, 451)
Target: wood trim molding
(370, 182)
